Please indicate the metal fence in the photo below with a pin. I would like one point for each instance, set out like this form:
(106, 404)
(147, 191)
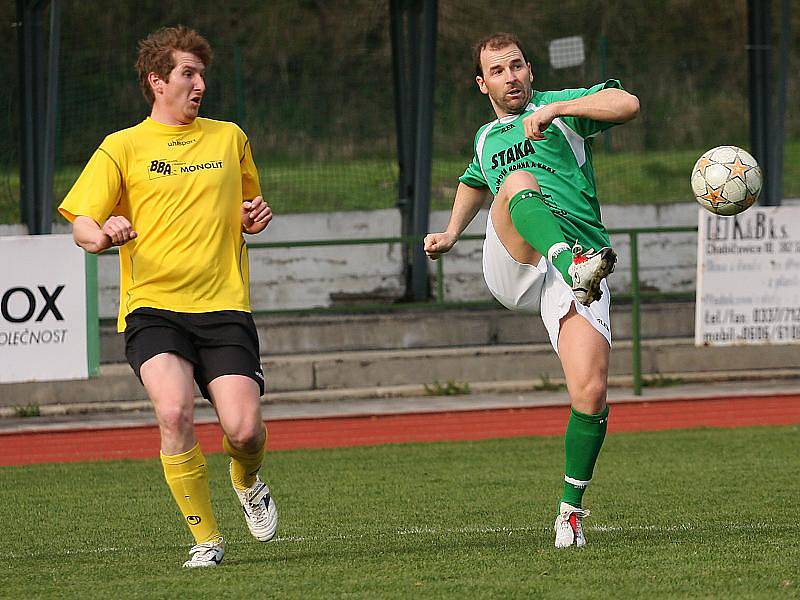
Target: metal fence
(635, 295)
(311, 83)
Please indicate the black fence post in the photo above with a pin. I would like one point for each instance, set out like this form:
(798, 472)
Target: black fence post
(38, 102)
(27, 154)
(424, 148)
(403, 35)
(413, 31)
(775, 183)
(51, 114)
(759, 53)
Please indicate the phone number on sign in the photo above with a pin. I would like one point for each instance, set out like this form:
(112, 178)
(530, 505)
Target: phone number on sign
(777, 314)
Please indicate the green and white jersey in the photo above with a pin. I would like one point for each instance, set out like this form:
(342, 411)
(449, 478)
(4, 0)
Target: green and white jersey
(562, 163)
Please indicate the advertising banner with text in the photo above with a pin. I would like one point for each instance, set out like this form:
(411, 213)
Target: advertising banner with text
(748, 277)
(42, 309)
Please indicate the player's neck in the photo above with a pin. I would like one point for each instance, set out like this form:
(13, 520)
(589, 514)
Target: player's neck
(166, 117)
(503, 113)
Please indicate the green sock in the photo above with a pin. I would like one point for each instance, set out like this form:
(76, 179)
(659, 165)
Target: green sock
(539, 227)
(582, 443)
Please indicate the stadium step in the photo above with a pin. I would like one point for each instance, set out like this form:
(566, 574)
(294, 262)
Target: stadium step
(380, 373)
(410, 328)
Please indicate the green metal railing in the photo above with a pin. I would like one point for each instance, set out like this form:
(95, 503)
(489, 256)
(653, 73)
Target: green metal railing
(636, 295)
(440, 301)
(92, 320)
(633, 234)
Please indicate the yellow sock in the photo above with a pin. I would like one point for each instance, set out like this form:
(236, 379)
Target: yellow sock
(187, 478)
(244, 466)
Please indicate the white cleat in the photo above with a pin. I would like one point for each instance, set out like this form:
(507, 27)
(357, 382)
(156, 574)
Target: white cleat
(260, 512)
(207, 554)
(588, 270)
(568, 528)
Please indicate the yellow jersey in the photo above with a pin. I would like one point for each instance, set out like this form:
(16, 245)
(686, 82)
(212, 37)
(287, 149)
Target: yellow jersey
(181, 187)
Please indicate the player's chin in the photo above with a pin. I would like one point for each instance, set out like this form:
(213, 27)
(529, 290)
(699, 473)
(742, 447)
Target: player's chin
(516, 105)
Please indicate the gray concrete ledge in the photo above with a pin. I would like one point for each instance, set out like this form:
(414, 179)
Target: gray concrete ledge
(412, 399)
(327, 375)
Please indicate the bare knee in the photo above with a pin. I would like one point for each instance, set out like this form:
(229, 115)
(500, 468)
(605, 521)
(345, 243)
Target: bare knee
(175, 419)
(519, 249)
(515, 182)
(247, 437)
(589, 396)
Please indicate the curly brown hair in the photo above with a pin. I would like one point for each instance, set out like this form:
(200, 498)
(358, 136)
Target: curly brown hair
(496, 41)
(156, 54)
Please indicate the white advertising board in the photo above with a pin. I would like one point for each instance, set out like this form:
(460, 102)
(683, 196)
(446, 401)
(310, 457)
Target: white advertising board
(42, 309)
(748, 277)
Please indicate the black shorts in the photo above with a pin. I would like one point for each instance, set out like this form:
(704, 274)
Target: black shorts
(217, 343)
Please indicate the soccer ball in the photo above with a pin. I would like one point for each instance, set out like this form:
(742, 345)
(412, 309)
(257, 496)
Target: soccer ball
(726, 180)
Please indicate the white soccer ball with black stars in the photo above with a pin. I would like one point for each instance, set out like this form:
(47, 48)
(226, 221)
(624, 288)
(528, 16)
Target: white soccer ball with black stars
(726, 180)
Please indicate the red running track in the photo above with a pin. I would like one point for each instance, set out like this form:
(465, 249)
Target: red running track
(143, 442)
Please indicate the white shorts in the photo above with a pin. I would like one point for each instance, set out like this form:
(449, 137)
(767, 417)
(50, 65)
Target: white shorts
(539, 288)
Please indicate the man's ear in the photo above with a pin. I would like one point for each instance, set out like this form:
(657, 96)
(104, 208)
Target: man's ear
(481, 84)
(156, 83)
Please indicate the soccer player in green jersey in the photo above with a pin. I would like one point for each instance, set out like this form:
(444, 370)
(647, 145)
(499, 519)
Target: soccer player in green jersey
(546, 249)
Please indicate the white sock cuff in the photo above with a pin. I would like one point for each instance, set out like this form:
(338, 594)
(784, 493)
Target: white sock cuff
(576, 482)
(556, 249)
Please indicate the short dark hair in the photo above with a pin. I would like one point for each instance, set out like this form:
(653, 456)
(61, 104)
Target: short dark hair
(496, 41)
(156, 54)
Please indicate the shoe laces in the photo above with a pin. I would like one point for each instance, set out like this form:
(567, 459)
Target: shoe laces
(257, 509)
(574, 510)
(578, 254)
(206, 550)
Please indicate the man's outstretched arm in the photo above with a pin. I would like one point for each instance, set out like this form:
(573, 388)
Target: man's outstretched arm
(466, 205)
(610, 105)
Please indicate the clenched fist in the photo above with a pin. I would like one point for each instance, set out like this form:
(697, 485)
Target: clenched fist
(437, 244)
(119, 230)
(256, 215)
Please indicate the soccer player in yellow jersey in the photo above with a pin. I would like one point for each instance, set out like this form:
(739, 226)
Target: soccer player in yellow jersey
(175, 193)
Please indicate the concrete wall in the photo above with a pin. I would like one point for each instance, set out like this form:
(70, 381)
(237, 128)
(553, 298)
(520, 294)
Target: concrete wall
(329, 275)
(666, 262)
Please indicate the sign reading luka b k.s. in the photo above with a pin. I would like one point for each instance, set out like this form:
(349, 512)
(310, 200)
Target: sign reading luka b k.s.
(42, 309)
(748, 277)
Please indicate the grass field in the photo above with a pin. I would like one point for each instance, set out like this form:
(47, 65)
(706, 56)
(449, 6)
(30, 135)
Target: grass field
(367, 184)
(693, 513)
